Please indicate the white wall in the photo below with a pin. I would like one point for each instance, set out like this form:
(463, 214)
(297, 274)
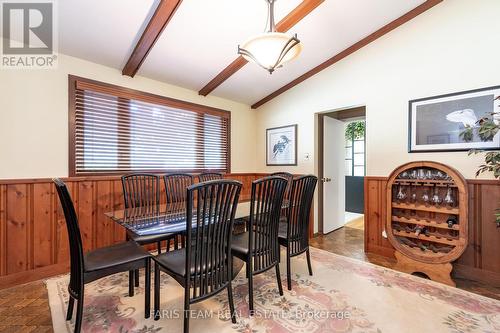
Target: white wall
(34, 117)
(452, 47)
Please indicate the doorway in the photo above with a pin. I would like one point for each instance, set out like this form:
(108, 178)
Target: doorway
(341, 169)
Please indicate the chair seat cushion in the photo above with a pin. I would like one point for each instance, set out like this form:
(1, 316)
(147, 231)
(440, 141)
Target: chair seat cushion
(114, 255)
(239, 247)
(175, 262)
(148, 239)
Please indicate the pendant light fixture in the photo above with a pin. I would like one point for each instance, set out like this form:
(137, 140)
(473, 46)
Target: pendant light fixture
(271, 49)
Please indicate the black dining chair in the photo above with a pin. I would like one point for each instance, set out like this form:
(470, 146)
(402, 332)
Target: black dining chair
(175, 189)
(294, 233)
(207, 176)
(99, 263)
(143, 190)
(289, 177)
(204, 266)
(176, 185)
(259, 247)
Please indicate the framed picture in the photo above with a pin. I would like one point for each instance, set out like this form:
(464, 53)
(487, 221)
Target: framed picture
(435, 123)
(281, 145)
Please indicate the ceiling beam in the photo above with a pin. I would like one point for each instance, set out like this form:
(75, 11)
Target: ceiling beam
(351, 49)
(297, 14)
(160, 19)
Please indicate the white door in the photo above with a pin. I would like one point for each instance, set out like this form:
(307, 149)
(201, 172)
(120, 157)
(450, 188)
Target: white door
(334, 174)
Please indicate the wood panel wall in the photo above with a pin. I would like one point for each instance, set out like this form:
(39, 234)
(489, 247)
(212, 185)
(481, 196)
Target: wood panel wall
(33, 237)
(34, 244)
(375, 217)
(480, 260)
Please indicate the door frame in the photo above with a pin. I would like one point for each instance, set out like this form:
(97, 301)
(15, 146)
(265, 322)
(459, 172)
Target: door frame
(340, 114)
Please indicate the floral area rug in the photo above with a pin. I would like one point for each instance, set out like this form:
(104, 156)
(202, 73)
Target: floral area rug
(343, 295)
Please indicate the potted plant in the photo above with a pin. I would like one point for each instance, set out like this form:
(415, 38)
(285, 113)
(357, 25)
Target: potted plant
(355, 130)
(487, 128)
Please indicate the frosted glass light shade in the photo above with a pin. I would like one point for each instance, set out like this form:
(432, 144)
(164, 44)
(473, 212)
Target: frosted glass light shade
(266, 49)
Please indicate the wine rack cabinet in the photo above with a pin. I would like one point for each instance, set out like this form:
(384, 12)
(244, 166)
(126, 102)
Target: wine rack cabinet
(427, 218)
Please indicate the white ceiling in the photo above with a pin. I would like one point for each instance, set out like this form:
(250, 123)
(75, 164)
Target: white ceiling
(104, 32)
(202, 37)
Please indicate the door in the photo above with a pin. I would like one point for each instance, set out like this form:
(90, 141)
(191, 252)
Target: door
(355, 167)
(333, 174)
(354, 194)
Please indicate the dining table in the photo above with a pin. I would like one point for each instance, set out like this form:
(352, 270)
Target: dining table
(164, 218)
(170, 218)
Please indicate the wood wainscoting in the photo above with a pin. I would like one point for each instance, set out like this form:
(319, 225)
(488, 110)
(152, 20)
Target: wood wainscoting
(480, 259)
(33, 238)
(34, 241)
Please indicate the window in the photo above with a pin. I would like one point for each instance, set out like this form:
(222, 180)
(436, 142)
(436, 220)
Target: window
(355, 149)
(115, 130)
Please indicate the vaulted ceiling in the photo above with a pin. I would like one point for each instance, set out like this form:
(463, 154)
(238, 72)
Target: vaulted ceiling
(189, 43)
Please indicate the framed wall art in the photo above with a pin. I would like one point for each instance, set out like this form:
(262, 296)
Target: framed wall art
(281, 145)
(436, 123)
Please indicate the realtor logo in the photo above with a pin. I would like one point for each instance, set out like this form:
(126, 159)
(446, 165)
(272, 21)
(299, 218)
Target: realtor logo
(28, 37)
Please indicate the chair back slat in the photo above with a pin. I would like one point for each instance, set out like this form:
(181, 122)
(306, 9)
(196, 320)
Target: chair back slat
(74, 236)
(208, 244)
(301, 197)
(141, 190)
(289, 177)
(207, 176)
(265, 208)
(176, 185)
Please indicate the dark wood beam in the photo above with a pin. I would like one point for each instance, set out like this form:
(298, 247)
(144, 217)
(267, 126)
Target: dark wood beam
(297, 14)
(353, 48)
(160, 19)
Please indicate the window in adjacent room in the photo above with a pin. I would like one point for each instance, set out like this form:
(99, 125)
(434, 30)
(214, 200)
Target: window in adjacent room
(355, 148)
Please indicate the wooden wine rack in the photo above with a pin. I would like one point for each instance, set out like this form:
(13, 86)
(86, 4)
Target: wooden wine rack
(434, 249)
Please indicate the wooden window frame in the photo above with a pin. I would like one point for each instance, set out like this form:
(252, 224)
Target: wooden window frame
(76, 82)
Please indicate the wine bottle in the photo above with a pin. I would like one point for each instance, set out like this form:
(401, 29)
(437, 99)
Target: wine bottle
(423, 247)
(419, 229)
(451, 221)
(440, 248)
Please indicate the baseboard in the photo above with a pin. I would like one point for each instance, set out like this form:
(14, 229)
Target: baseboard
(476, 274)
(459, 271)
(380, 250)
(15, 279)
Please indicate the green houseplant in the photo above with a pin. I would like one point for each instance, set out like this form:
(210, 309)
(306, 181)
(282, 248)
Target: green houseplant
(487, 128)
(355, 130)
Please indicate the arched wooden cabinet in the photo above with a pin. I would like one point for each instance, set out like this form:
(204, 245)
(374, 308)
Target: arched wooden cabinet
(427, 218)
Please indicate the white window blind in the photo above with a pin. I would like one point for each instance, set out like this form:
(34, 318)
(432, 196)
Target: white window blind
(119, 132)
